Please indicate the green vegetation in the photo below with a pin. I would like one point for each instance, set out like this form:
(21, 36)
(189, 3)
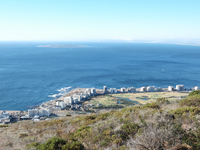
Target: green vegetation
(185, 111)
(32, 145)
(151, 96)
(162, 100)
(197, 92)
(191, 100)
(108, 102)
(153, 105)
(57, 143)
(2, 126)
(128, 129)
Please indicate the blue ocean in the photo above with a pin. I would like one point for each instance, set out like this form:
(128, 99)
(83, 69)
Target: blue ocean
(30, 75)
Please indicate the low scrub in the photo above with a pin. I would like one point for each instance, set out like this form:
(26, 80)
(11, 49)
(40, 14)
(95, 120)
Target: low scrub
(197, 92)
(33, 145)
(56, 143)
(162, 101)
(128, 129)
(192, 100)
(184, 111)
(153, 105)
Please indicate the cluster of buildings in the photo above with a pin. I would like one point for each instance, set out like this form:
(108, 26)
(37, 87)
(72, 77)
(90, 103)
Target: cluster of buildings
(73, 102)
(39, 112)
(146, 89)
(76, 98)
(34, 114)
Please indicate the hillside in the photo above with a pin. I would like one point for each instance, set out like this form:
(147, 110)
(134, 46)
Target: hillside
(161, 124)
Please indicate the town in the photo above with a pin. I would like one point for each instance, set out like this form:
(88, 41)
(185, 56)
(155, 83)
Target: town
(73, 101)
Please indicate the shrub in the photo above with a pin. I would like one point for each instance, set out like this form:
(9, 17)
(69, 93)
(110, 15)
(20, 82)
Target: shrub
(2, 126)
(193, 100)
(82, 133)
(32, 145)
(91, 117)
(73, 145)
(128, 129)
(153, 105)
(195, 93)
(103, 116)
(107, 132)
(68, 115)
(184, 110)
(118, 141)
(89, 120)
(162, 100)
(105, 142)
(54, 143)
(53, 122)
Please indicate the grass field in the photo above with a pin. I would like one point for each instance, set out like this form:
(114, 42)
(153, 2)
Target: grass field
(141, 98)
(151, 96)
(103, 99)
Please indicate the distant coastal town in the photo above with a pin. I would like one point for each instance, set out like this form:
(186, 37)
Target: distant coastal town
(74, 101)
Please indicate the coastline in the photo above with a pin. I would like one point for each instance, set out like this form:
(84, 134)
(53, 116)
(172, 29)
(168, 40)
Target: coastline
(48, 104)
(79, 91)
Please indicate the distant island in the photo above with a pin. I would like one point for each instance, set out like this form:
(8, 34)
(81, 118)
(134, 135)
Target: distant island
(59, 46)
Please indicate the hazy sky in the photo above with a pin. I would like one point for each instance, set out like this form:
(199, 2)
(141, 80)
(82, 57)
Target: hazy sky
(75, 20)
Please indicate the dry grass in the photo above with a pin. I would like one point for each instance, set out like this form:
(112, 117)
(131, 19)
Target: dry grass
(104, 100)
(17, 135)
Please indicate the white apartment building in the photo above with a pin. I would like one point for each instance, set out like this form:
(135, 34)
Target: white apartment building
(151, 88)
(93, 91)
(104, 90)
(180, 87)
(87, 92)
(75, 96)
(61, 104)
(68, 100)
(40, 112)
(123, 90)
(143, 89)
(170, 88)
(159, 89)
(131, 89)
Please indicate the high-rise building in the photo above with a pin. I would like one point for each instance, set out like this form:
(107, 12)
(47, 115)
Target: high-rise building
(105, 90)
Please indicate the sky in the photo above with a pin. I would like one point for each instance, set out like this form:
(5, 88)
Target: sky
(100, 20)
